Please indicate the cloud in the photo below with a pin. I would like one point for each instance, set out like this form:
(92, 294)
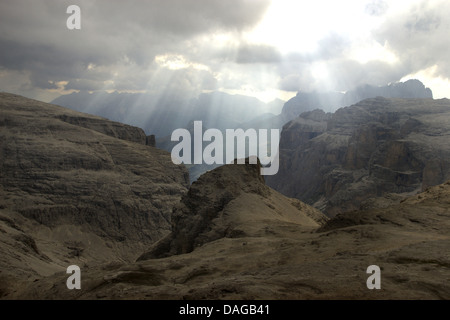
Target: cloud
(414, 35)
(331, 46)
(188, 46)
(257, 53)
(84, 85)
(419, 37)
(297, 82)
(120, 38)
(376, 7)
(181, 18)
(337, 74)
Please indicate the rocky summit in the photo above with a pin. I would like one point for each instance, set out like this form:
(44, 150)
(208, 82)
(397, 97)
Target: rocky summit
(230, 201)
(77, 189)
(338, 162)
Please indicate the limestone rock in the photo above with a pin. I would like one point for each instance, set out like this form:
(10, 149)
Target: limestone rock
(374, 147)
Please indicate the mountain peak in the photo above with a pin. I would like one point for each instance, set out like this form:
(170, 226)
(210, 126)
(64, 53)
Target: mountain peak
(330, 101)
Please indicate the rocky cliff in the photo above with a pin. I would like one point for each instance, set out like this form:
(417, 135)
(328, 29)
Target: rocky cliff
(229, 201)
(378, 146)
(78, 189)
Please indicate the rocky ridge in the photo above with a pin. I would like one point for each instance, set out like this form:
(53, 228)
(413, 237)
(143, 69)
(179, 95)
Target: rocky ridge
(377, 146)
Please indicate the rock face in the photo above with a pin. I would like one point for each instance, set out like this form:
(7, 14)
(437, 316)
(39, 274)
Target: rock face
(336, 161)
(78, 189)
(409, 241)
(229, 201)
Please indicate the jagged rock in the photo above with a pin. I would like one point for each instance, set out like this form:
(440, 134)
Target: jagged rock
(150, 140)
(229, 201)
(78, 188)
(375, 147)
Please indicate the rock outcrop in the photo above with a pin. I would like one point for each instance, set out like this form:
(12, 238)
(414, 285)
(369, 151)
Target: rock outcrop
(378, 146)
(229, 201)
(77, 188)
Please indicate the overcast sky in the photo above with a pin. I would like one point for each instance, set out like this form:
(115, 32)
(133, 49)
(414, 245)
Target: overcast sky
(261, 48)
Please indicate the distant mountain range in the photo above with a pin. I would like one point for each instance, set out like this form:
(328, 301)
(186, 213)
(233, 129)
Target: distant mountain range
(331, 101)
(160, 115)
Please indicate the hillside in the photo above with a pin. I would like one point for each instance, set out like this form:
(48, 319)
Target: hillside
(77, 189)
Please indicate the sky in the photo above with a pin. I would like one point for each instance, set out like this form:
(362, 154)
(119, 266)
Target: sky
(261, 48)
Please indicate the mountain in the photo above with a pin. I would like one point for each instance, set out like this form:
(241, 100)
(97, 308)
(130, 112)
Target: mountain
(227, 202)
(80, 189)
(235, 238)
(331, 101)
(276, 106)
(377, 146)
(160, 115)
(77, 189)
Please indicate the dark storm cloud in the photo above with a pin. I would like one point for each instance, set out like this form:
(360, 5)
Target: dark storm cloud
(34, 37)
(177, 17)
(118, 42)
